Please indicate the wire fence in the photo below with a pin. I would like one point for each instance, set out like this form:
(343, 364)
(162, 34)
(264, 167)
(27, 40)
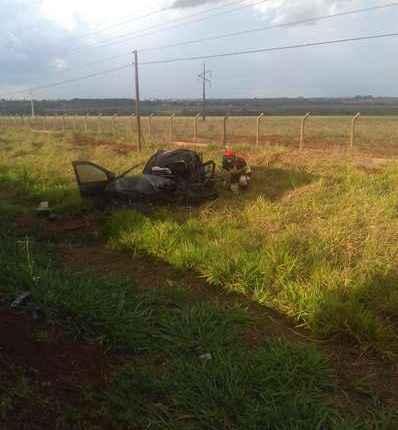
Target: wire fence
(376, 134)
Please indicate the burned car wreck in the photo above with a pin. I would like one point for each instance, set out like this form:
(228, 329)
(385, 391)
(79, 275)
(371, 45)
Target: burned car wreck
(176, 176)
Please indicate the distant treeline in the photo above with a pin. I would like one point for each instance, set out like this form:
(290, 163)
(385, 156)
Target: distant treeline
(367, 105)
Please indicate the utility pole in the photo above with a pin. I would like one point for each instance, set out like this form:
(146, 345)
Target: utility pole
(32, 104)
(137, 100)
(205, 78)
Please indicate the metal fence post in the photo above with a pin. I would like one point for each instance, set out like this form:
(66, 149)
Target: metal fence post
(132, 122)
(150, 125)
(99, 123)
(302, 130)
(86, 123)
(195, 127)
(171, 129)
(259, 118)
(353, 124)
(113, 124)
(224, 135)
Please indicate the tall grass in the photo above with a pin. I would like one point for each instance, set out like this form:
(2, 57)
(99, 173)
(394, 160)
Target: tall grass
(325, 255)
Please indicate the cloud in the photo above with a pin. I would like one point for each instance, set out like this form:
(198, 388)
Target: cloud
(183, 4)
(39, 45)
(281, 11)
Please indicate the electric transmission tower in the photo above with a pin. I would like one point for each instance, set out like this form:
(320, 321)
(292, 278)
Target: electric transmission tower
(205, 77)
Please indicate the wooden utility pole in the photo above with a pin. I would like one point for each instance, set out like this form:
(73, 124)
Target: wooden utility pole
(137, 100)
(205, 78)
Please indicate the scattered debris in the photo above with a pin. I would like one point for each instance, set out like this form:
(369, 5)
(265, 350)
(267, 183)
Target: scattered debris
(53, 217)
(21, 299)
(206, 357)
(43, 208)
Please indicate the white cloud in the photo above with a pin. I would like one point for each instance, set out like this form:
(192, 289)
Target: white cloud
(42, 38)
(60, 64)
(69, 14)
(281, 11)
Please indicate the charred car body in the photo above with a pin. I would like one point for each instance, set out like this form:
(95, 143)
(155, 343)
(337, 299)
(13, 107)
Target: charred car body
(177, 176)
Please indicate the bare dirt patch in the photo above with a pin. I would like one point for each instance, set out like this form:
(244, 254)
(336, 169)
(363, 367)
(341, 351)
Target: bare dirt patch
(43, 373)
(80, 141)
(47, 352)
(363, 376)
(52, 228)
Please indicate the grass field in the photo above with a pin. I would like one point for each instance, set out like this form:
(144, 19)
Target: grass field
(276, 308)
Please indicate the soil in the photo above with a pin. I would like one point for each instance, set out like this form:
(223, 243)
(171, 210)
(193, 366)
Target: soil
(44, 372)
(81, 141)
(47, 228)
(363, 376)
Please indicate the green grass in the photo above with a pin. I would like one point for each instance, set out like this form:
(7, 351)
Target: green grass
(325, 256)
(314, 238)
(114, 313)
(277, 386)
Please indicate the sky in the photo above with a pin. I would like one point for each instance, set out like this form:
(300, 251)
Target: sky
(47, 41)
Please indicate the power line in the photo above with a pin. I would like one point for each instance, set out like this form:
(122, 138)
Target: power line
(102, 28)
(254, 30)
(171, 8)
(134, 19)
(135, 35)
(278, 48)
(273, 26)
(204, 57)
(69, 81)
(127, 21)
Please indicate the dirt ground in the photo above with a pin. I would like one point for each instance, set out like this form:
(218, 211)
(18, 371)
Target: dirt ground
(44, 371)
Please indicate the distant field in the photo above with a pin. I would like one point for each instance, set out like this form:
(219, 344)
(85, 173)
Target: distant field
(377, 134)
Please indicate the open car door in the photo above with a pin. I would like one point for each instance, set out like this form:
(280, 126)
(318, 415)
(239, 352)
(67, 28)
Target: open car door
(92, 179)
